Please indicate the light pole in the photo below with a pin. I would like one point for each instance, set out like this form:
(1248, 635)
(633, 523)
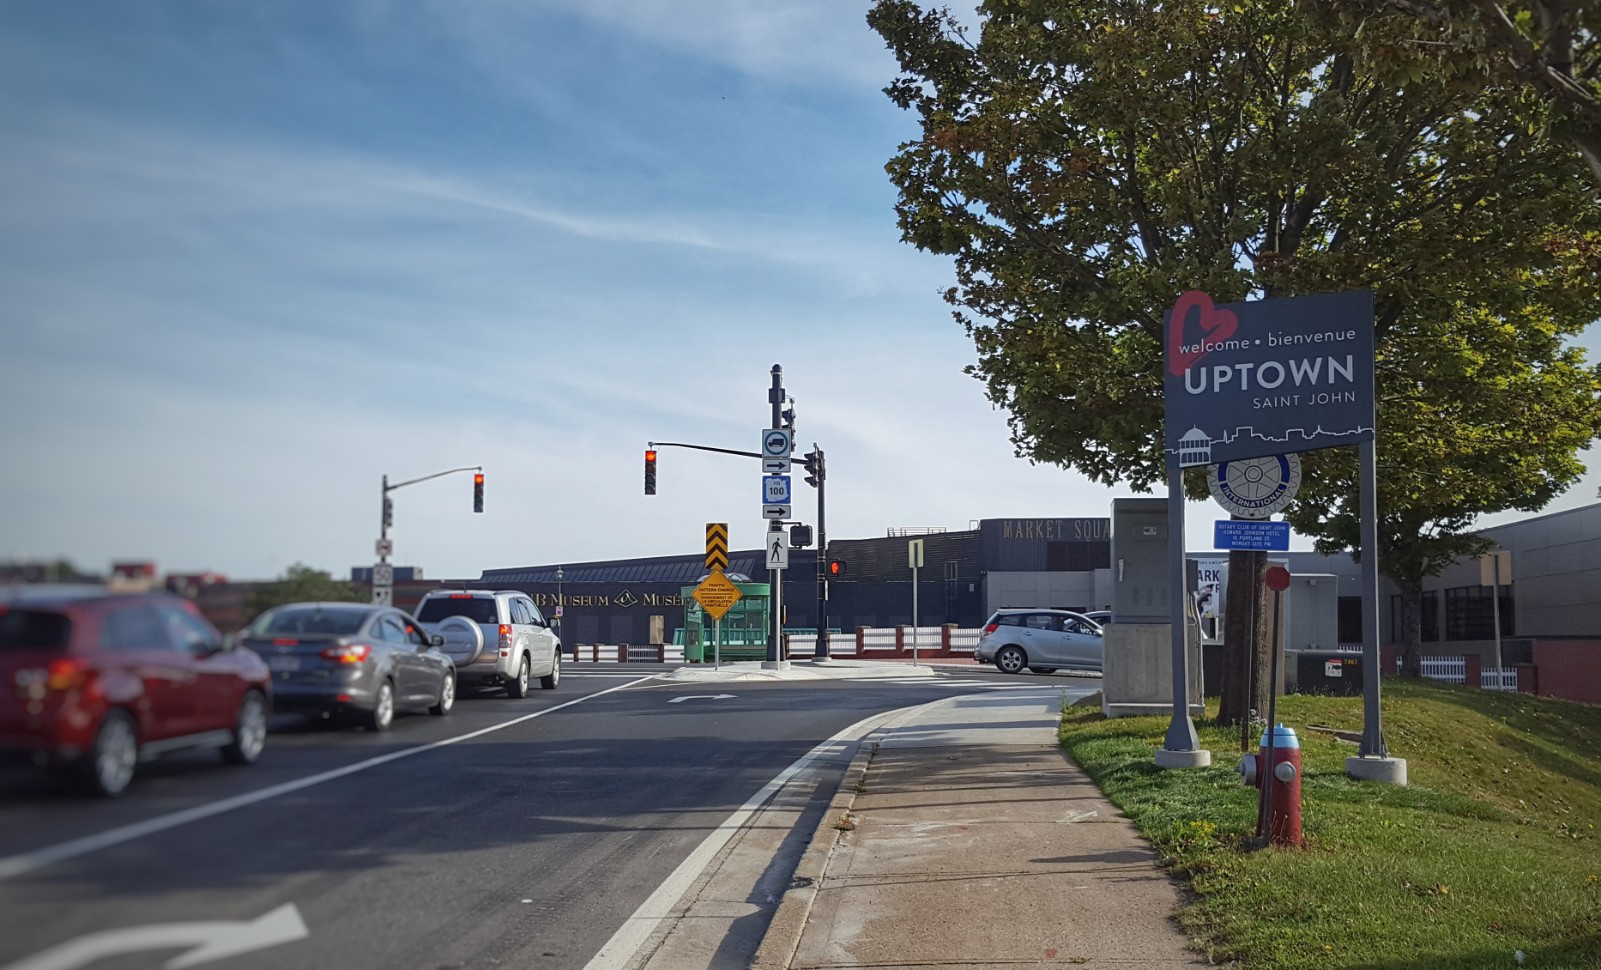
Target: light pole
(559, 610)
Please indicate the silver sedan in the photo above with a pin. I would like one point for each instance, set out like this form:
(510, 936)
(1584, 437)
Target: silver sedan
(352, 658)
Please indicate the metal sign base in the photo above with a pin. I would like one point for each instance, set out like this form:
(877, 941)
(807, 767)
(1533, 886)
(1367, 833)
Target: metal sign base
(1181, 749)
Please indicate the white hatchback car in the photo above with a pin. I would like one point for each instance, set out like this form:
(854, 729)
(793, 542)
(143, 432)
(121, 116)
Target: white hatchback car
(1040, 640)
(494, 637)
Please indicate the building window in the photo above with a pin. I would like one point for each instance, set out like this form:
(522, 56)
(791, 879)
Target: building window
(1431, 616)
(1429, 606)
(1470, 613)
(1350, 619)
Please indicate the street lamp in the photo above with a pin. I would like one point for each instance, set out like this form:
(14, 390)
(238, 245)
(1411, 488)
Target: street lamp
(559, 609)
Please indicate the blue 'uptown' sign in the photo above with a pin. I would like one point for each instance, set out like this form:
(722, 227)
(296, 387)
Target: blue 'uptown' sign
(1246, 534)
(1247, 380)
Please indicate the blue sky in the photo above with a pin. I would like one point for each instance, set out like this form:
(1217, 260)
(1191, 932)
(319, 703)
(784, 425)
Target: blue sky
(257, 255)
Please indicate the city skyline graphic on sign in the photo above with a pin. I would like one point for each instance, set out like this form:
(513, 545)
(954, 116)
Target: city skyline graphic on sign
(1249, 380)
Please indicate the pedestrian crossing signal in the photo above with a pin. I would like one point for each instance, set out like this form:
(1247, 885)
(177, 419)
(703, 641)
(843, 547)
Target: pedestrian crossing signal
(836, 567)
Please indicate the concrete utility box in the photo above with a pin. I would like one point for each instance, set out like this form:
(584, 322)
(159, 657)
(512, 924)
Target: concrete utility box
(1312, 612)
(1137, 669)
(1141, 575)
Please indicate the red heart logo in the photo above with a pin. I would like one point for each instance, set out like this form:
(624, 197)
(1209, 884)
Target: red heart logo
(1216, 325)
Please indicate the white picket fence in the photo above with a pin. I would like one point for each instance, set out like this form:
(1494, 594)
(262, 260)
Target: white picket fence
(1499, 678)
(1454, 670)
(874, 640)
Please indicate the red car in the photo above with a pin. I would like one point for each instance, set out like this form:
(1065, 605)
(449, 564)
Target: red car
(95, 683)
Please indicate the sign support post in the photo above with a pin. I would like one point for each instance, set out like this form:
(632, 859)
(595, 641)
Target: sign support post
(1181, 748)
(1372, 761)
(778, 442)
(914, 558)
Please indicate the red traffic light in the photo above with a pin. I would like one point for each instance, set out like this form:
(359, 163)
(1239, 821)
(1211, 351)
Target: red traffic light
(478, 479)
(650, 454)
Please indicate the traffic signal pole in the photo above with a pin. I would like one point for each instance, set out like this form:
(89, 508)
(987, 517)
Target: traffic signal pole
(814, 463)
(386, 517)
(775, 577)
(819, 478)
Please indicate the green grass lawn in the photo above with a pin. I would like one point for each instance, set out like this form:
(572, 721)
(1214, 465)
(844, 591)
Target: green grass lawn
(1490, 850)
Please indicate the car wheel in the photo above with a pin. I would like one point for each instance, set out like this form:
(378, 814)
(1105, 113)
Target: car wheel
(447, 696)
(519, 687)
(1011, 660)
(550, 680)
(249, 731)
(383, 708)
(109, 766)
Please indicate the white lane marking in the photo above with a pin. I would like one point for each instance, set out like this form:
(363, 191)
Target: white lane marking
(16, 865)
(702, 697)
(209, 940)
(622, 949)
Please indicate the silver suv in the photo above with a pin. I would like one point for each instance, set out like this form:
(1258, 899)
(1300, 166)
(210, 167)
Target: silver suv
(495, 638)
(1041, 640)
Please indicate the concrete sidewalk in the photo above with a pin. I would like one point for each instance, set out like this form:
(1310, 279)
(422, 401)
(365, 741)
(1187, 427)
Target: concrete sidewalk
(962, 837)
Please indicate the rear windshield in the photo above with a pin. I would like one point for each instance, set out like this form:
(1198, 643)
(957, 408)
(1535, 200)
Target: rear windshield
(479, 609)
(33, 630)
(312, 620)
(1007, 619)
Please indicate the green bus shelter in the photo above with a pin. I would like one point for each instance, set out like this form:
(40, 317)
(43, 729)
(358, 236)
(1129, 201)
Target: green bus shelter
(744, 628)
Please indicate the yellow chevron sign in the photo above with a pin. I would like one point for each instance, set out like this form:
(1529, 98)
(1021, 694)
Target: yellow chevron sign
(717, 546)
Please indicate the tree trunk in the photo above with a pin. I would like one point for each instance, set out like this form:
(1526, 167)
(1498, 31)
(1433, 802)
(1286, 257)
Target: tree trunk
(1411, 633)
(1246, 650)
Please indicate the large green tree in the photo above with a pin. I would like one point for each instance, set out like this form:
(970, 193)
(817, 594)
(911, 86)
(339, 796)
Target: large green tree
(302, 584)
(1552, 46)
(1086, 161)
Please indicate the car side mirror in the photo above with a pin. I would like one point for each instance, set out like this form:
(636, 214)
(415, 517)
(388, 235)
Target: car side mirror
(437, 640)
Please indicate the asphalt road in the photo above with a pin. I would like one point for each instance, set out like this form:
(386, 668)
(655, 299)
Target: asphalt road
(509, 833)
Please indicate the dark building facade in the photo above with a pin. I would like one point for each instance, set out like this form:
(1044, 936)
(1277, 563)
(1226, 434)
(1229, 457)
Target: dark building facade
(966, 574)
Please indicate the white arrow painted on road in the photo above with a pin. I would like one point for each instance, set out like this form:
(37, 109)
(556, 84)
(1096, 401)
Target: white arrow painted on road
(211, 940)
(702, 697)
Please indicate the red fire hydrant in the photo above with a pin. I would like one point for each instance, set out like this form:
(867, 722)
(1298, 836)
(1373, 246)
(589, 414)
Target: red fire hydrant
(1279, 809)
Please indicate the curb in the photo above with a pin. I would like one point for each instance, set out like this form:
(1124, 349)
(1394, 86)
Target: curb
(783, 934)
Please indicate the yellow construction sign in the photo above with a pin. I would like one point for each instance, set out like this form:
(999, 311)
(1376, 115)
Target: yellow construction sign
(717, 594)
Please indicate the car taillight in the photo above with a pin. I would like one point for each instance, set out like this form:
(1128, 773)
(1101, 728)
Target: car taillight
(991, 628)
(505, 637)
(65, 674)
(350, 653)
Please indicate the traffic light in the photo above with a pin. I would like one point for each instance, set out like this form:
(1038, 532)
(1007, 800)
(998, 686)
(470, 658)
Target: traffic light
(478, 492)
(389, 512)
(815, 470)
(836, 567)
(650, 471)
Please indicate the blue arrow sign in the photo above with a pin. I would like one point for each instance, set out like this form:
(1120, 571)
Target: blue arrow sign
(1264, 536)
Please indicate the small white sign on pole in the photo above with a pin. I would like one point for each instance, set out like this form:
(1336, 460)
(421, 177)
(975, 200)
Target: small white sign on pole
(777, 550)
